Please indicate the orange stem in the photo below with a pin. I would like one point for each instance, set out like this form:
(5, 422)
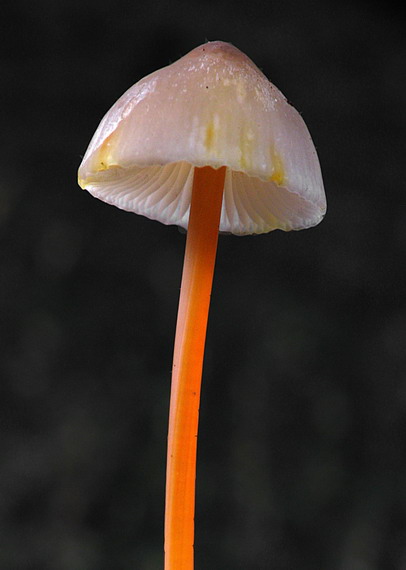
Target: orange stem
(197, 278)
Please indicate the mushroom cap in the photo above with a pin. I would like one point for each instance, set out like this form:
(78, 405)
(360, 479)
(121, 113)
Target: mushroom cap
(213, 107)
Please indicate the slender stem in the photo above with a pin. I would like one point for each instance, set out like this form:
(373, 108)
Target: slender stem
(197, 278)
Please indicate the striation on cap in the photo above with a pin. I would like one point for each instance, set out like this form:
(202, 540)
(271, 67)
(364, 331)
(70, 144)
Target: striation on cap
(213, 107)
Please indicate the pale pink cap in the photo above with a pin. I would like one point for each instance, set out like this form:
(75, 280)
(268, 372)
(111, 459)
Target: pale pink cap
(213, 107)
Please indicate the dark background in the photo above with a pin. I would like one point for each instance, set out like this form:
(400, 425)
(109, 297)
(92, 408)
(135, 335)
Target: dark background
(302, 460)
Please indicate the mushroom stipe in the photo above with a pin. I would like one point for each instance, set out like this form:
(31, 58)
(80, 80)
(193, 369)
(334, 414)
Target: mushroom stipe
(197, 278)
(208, 144)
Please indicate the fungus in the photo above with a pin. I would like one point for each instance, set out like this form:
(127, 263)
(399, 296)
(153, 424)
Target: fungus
(208, 144)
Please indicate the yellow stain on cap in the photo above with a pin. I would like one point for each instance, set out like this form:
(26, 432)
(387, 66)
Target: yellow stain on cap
(105, 157)
(278, 172)
(211, 134)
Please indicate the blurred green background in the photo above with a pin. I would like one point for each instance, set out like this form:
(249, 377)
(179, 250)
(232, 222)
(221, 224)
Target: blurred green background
(302, 434)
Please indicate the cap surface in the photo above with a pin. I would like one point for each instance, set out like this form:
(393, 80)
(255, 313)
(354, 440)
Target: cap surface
(213, 107)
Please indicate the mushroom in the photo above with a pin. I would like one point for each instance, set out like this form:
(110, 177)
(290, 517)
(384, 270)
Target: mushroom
(206, 143)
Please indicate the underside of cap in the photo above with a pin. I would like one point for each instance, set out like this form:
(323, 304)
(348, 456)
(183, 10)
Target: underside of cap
(163, 193)
(213, 107)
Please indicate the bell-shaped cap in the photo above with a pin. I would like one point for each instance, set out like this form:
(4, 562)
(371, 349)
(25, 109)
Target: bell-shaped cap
(213, 107)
